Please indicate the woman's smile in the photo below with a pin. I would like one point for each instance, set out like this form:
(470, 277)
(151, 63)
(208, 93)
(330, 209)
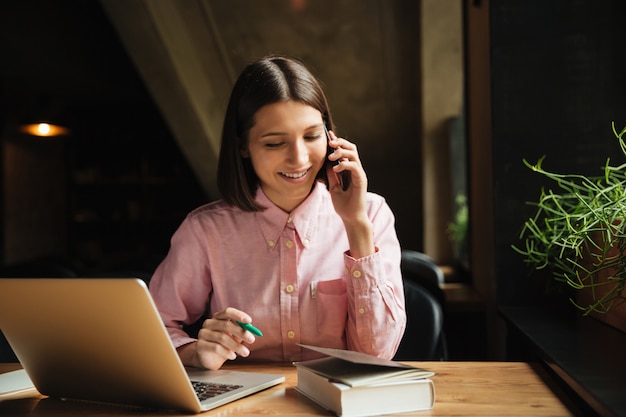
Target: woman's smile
(295, 174)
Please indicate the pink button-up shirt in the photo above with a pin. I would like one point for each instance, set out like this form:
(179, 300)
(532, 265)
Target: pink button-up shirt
(291, 272)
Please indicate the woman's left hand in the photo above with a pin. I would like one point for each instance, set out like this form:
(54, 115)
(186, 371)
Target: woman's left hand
(351, 204)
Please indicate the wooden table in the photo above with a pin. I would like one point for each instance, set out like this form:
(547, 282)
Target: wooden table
(462, 389)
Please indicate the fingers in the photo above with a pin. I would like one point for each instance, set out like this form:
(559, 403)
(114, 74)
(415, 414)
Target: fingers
(231, 313)
(220, 338)
(346, 153)
(229, 319)
(344, 150)
(217, 342)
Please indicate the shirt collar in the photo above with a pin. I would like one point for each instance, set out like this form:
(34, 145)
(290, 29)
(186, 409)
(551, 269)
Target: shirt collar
(273, 220)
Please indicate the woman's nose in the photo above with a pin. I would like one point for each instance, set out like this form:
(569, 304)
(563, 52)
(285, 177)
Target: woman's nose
(298, 152)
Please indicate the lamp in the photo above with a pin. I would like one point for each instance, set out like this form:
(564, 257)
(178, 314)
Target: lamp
(44, 129)
(48, 116)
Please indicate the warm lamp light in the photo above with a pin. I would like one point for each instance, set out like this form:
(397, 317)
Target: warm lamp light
(44, 129)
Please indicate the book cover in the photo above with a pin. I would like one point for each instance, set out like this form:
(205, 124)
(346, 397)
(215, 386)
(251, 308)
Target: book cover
(353, 384)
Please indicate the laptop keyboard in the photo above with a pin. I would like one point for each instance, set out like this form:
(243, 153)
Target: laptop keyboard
(206, 390)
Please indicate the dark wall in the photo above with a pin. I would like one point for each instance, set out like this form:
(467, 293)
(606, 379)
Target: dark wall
(119, 183)
(558, 79)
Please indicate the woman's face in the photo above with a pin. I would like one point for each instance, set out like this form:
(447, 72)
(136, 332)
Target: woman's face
(287, 148)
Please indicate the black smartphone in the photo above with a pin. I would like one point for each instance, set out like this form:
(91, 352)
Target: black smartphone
(344, 176)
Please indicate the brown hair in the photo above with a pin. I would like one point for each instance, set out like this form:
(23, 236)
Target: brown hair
(266, 81)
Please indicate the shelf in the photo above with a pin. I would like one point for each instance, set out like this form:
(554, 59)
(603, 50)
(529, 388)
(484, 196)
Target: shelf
(461, 297)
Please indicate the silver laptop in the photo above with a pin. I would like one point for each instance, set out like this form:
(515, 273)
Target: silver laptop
(103, 340)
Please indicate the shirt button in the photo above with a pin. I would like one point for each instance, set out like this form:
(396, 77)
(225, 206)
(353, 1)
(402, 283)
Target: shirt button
(306, 242)
(291, 334)
(289, 244)
(288, 219)
(356, 274)
(289, 288)
(271, 243)
(361, 310)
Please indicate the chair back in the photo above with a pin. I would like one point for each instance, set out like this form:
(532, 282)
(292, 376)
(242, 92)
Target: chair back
(423, 338)
(422, 269)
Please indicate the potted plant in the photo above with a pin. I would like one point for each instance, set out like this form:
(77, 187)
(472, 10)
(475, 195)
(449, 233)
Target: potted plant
(578, 234)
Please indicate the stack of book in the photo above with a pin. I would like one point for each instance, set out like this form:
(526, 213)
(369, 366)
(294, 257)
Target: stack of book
(354, 384)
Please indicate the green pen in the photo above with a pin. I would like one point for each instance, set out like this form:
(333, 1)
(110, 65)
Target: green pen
(250, 328)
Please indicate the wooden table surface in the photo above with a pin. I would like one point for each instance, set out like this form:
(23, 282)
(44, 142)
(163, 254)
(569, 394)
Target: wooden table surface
(462, 389)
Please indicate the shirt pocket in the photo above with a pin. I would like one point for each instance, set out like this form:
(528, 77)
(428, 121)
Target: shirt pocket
(331, 304)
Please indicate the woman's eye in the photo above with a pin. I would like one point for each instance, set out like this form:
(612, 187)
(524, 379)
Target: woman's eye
(272, 145)
(312, 137)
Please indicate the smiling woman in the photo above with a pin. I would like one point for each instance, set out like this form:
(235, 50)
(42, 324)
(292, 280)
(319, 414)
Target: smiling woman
(266, 82)
(322, 262)
(287, 149)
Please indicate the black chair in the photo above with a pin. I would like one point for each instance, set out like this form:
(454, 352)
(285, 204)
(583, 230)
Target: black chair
(422, 269)
(424, 337)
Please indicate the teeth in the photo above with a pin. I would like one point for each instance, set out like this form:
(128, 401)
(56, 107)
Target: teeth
(297, 175)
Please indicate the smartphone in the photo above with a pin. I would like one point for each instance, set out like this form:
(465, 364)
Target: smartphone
(344, 176)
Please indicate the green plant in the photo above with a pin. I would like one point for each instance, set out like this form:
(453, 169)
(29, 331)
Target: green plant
(457, 229)
(578, 233)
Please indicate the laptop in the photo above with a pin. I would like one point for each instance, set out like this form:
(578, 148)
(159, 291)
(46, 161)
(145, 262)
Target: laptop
(102, 340)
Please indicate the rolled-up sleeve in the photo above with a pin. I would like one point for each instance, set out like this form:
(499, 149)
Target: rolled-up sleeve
(376, 310)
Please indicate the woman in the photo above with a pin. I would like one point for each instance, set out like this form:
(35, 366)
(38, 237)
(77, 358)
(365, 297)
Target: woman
(286, 246)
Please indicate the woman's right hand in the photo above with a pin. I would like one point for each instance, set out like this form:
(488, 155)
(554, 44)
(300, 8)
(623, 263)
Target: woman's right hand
(220, 339)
